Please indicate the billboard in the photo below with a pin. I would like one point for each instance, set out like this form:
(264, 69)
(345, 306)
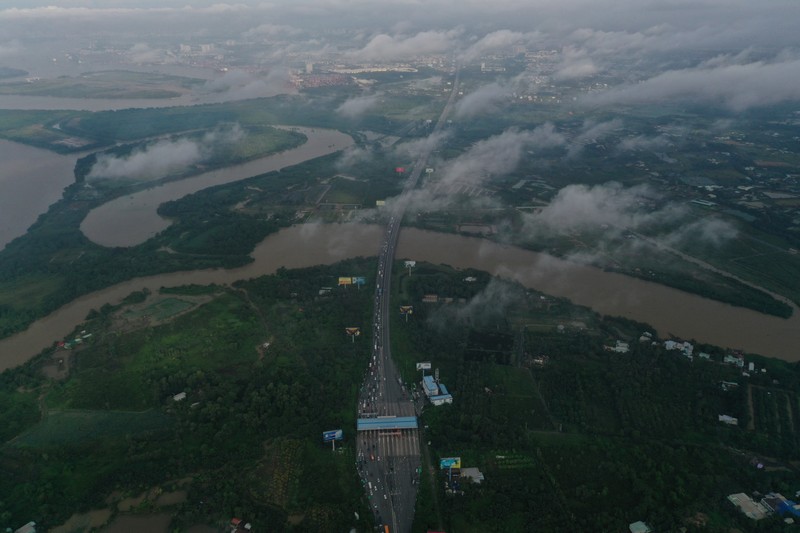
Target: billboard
(353, 331)
(406, 309)
(334, 434)
(400, 170)
(411, 264)
(449, 462)
(345, 281)
(359, 280)
(424, 366)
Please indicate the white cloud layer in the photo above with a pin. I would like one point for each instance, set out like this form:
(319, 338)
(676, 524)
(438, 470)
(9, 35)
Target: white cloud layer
(161, 158)
(736, 86)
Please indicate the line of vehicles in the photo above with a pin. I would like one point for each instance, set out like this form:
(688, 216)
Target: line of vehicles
(383, 393)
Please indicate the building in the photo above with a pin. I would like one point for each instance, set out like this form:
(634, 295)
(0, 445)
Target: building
(30, 527)
(729, 420)
(777, 503)
(639, 527)
(621, 347)
(436, 392)
(473, 474)
(737, 360)
(430, 387)
(748, 507)
(685, 347)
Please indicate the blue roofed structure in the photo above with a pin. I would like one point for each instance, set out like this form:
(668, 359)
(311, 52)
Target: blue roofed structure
(386, 423)
(430, 386)
(441, 399)
(443, 390)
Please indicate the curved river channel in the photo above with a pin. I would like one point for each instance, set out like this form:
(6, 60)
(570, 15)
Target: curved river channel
(668, 310)
(131, 220)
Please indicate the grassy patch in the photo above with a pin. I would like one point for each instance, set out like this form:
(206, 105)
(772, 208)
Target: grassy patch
(108, 84)
(18, 411)
(72, 427)
(160, 310)
(28, 291)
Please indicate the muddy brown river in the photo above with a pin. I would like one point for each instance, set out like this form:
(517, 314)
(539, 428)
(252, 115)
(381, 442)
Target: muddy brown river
(669, 311)
(31, 179)
(132, 219)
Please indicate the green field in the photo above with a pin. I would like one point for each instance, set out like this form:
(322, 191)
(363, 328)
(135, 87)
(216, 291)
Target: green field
(245, 434)
(160, 310)
(78, 426)
(107, 84)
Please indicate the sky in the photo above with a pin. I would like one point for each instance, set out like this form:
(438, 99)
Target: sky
(606, 26)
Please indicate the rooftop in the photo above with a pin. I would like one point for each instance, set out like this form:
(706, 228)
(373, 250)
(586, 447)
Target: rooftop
(377, 424)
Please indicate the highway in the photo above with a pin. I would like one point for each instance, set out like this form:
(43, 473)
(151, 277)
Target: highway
(389, 461)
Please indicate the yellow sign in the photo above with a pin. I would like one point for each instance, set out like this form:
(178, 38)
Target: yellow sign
(345, 281)
(353, 331)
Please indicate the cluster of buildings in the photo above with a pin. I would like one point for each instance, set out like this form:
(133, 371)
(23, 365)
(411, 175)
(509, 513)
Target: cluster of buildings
(684, 347)
(772, 503)
(435, 391)
(456, 474)
(79, 339)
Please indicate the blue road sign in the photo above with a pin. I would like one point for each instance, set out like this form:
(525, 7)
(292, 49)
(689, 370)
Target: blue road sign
(335, 434)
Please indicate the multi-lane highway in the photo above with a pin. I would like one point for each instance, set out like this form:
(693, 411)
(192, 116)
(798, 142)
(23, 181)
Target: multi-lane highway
(388, 461)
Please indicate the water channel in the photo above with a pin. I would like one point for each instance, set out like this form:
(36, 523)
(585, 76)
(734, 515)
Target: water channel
(31, 179)
(132, 219)
(668, 310)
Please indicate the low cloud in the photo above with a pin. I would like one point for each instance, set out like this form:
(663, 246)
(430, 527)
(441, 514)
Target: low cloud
(482, 101)
(499, 40)
(644, 143)
(385, 47)
(500, 154)
(486, 307)
(142, 53)
(616, 209)
(735, 85)
(271, 31)
(592, 132)
(10, 48)
(414, 149)
(575, 64)
(579, 207)
(357, 106)
(351, 156)
(240, 85)
(710, 231)
(460, 181)
(163, 157)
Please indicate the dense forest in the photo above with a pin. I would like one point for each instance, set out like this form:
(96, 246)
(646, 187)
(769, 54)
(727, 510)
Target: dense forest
(265, 368)
(542, 405)
(546, 408)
